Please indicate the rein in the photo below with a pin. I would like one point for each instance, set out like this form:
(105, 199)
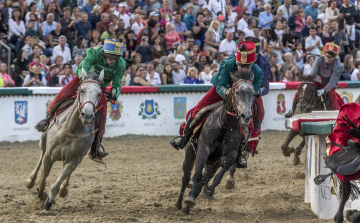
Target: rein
(235, 113)
(311, 105)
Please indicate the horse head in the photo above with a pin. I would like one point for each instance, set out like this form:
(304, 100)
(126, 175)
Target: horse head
(306, 96)
(89, 95)
(242, 95)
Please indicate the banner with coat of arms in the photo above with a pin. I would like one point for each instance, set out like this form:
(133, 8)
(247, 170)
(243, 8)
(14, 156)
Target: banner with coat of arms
(180, 107)
(149, 110)
(114, 110)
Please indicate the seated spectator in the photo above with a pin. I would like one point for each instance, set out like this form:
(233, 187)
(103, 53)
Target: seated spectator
(31, 30)
(103, 25)
(20, 71)
(278, 31)
(69, 3)
(220, 19)
(165, 13)
(16, 30)
(140, 77)
(203, 60)
(305, 32)
(299, 56)
(34, 78)
(110, 33)
(59, 61)
(179, 56)
(355, 76)
(207, 15)
(321, 10)
(313, 43)
(292, 19)
(48, 26)
(241, 37)
(249, 30)
(54, 35)
(243, 22)
(95, 16)
(44, 60)
(95, 37)
(228, 46)
(325, 36)
(212, 39)
(218, 58)
(28, 46)
(145, 49)
(180, 27)
(136, 62)
(332, 13)
(114, 20)
(166, 75)
(312, 9)
(296, 73)
(88, 7)
(151, 73)
(78, 60)
(83, 27)
(200, 27)
(178, 75)
(137, 25)
(157, 47)
(126, 80)
(214, 69)
(148, 30)
(288, 64)
(171, 37)
(194, 5)
(274, 59)
(230, 20)
(318, 26)
(309, 66)
(53, 8)
(265, 17)
(76, 15)
(37, 48)
(79, 49)
(348, 67)
(288, 77)
(54, 79)
(206, 74)
(66, 75)
(279, 16)
(339, 36)
(192, 77)
(5, 78)
(130, 41)
(272, 39)
(275, 75)
(160, 68)
(62, 50)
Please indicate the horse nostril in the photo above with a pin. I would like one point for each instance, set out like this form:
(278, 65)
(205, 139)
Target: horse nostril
(242, 116)
(91, 116)
(82, 114)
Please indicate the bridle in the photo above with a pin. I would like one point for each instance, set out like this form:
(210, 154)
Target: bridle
(310, 103)
(235, 113)
(82, 105)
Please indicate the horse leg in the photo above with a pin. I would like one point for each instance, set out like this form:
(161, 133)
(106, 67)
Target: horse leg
(47, 164)
(69, 167)
(64, 188)
(210, 172)
(285, 146)
(187, 167)
(344, 196)
(230, 181)
(31, 181)
(296, 159)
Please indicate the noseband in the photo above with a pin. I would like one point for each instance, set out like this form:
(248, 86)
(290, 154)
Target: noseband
(311, 103)
(82, 105)
(235, 113)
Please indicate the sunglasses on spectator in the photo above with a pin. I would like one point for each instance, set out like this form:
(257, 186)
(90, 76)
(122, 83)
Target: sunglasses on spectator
(141, 70)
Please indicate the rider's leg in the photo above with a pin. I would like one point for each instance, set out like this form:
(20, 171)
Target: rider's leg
(260, 113)
(333, 99)
(239, 163)
(291, 112)
(67, 91)
(211, 97)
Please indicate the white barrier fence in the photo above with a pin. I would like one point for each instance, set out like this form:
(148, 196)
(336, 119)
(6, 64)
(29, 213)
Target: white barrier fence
(138, 113)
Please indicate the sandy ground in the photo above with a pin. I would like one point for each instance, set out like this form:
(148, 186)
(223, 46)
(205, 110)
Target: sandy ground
(141, 183)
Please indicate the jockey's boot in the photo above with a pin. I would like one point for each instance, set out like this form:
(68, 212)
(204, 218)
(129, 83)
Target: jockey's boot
(291, 112)
(184, 139)
(239, 163)
(95, 153)
(43, 125)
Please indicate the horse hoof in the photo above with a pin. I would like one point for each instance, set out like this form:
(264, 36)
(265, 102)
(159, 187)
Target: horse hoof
(29, 184)
(186, 210)
(339, 218)
(63, 192)
(178, 205)
(296, 160)
(190, 185)
(347, 214)
(229, 183)
(190, 201)
(43, 196)
(208, 193)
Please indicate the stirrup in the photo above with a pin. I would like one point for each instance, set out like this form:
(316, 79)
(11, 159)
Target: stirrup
(96, 159)
(243, 160)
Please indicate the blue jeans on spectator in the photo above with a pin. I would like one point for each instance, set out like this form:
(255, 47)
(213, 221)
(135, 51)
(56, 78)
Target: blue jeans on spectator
(19, 44)
(234, 3)
(346, 77)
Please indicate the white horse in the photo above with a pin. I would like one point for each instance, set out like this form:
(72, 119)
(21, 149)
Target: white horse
(68, 139)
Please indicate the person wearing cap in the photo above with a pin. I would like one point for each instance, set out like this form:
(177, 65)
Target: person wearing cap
(244, 59)
(327, 70)
(107, 58)
(321, 10)
(122, 15)
(154, 16)
(351, 16)
(312, 9)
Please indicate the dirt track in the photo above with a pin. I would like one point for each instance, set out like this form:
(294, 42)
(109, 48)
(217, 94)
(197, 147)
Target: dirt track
(142, 181)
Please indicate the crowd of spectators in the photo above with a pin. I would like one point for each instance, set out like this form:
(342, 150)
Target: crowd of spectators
(173, 41)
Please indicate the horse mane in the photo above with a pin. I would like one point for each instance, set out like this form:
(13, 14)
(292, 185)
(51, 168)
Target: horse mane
(92, 76)
(245, 74)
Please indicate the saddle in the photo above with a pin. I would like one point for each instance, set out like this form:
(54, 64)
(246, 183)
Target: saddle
(346, 161)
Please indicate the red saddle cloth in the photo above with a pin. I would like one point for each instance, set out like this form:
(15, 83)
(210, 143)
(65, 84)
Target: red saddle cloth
(339, 134)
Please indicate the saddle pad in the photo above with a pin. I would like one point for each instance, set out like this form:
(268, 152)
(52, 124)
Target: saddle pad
(346, 161)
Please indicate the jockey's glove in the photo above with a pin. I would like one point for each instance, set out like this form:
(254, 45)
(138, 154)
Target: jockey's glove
(112, 98)
(320, 92)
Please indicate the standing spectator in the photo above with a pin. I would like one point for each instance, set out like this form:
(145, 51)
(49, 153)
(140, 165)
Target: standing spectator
(206, 75)
(95, 16)
(46, 28)
(109, 34)
(212, 39)
(123, 15)
(140, 77)
(339, 36)
(286, 8)
(83, 27)
(16, 30)
(325, 36)
(300, 23)
(20, 68)
(151, 72)
(62, 50)
(200, 27)
(157, 47)
(180, 27)
(194, 4)
(192, 76)
(230, 19)
(54, 79)
(265, 17)
(299, 56)
(88, 7)
(243, 22)
(79, 49)
(313, 43)
(6, 79)
(137, 25)
(228, 46)
(165, 13)
(249, 30)
(189, 19)
(103, 25)
(78, 60)
(305, 32)
(178, 75)
(68, 27)
(216, 6)
(145, 49)
(34, 79)
(292, 20)
(54, 35)
(309, 66)
(69, 3)
(351, 15)
(167, 75)
(66, 75)
(332, 13)
(312, 9)
(171, 37)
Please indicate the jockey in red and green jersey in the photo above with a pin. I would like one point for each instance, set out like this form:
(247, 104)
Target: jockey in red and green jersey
(107, 58)
(222, 82)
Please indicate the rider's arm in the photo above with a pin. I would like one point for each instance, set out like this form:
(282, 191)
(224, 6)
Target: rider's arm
(258, 77)
(87, 63)
(334, 79)
(223, 76)
(264, 89)
(117, 79)
(315, 69)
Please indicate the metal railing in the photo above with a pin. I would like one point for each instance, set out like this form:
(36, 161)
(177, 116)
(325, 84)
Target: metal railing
(5, 56)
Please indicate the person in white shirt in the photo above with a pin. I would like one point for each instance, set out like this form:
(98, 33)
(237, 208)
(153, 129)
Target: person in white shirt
(313, 43)
(309, 66)
(206, 75)
(123, 15)
(137, 26)
(299, 56)
(78, 60)
(228, 45)
(62, 50)
(356, 72)
(249, 30)
(251, 6)
(230, 19)
(156, 78)
(286, 8)
(178, 75)
(242, 24)
(216, 6)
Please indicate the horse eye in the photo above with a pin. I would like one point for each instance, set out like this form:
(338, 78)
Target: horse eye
(237, 93)
(82, 91)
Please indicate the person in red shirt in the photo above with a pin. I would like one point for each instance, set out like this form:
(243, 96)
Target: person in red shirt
(8, 81)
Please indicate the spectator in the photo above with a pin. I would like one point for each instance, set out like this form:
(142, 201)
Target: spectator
(31, 30)
(158, 48)
(309, 66)
(78, 60)
(88, 7)
(206, 75)
(300, 23)
(76, 15)
(62, 50)
(325, 36)
(103, 25)
(53, 8)
(31, 10)
(216, 6)
(318, 24)
(54, 79)
(203, 60)
(46, 28)
(109, 34)
(140, 77)
(243, 23)
(178, 75)
(34, 79)
(207, 15)
(292, 21)
(59, 62)
(106, 7)
(145, 49)
(123, 15)
(265, 17)
(130, 41)
(54, 35)
(321, 12)
(189, 18)
(355, 76)
(180, 27)
(83, 27)
(137, 25)
(95, 16)
(313, 43)
(160, 68)
(241, 9)
(66, 75)
(194, 4)
(288, 64)
(69, 3)
(79, 49)
(218, 58)
(279, 16)
(299, 56)
(166, 75)
(212, 39)
(179, 56)
(20, 71)
(332, 13)
(228, 46)
(126, 80)
(136, 11)
(149, 30)
(153, 5)
(312, 9)
(165, 13)
(296, 73)
(95, 37)
(28, 46)
(288, 77)
(192, 76)
(249, 29)
(339, 36)
(286, 8)
(16, 30)
(272, 39)
(6, 11)
(171, 37)
(68, 27)
(4, 77)
(230, 20)
(348, 67)
(275, 75)
(136, 58)
(351, 15)
(151, 73)
(305, 32)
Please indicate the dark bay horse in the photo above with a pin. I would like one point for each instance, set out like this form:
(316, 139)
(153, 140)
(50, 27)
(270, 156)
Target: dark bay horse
(219, 140)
